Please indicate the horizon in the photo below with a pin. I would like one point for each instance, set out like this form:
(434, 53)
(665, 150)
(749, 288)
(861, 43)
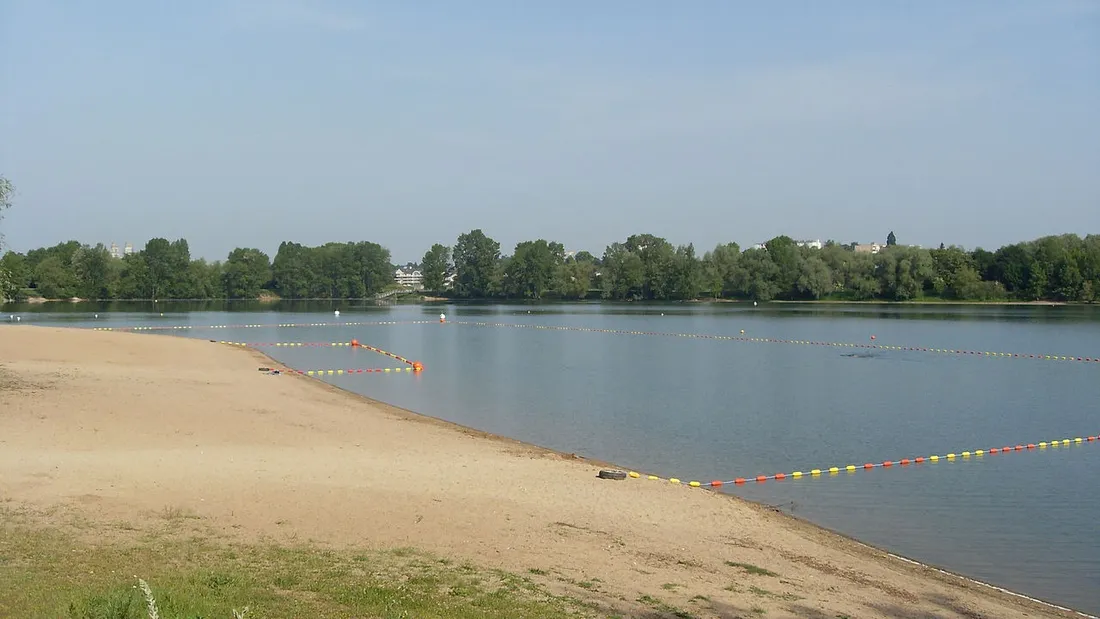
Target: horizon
(238, 123)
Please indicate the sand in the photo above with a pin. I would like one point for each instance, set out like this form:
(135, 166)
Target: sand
(119, 425)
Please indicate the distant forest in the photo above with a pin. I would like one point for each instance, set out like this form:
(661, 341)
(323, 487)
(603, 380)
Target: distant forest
(643, 267)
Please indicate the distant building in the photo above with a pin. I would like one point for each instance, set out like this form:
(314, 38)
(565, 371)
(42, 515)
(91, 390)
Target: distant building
(409, 276)
(815, 244)
(128, 250)
(449, 280)
(115, 252)
(870, 248)
(759, 246)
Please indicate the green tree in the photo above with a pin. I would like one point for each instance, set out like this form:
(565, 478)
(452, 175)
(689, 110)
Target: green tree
(784, 253)
(95, 277)
(624, 275)
(815, 279)
(584, 256)
(891, 240)
(434, 266)
(133, 278)
(759, 275)
(161, 262)
(530, 271)
(719, 270)
(54, 279)
(475, 259)
(573, 279)
(952, 272)
(1012, 268)
(374, 266)
(687, 274)
(205, 280)
(295, 271)
(339, 271)
(658, 258)
(246, 272)
(7, 190)
(14, 275)
(9, 287)
(903, 272)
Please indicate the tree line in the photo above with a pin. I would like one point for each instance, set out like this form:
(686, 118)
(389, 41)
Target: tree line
(643, 267)
(646, 267)
(164, 269)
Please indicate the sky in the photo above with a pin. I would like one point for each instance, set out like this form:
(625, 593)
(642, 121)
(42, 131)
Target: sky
(249, 122)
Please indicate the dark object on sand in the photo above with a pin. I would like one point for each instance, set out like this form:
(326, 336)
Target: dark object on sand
(612, 474)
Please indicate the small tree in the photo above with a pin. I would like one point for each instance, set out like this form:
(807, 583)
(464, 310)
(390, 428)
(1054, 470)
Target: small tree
(434, 266)
(7, 283)
(891, 239)
(6, 191)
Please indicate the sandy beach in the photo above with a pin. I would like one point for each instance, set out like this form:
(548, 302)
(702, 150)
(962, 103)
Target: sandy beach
(115, 426)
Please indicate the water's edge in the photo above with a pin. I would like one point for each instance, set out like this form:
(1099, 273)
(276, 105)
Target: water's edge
(925, 569)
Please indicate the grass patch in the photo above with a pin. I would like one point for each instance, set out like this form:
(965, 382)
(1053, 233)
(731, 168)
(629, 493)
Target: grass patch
(789, 597)
(172, 513)
(662, 607)
(48, 573)
(751, 569)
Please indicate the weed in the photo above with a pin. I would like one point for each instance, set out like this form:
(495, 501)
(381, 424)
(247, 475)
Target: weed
(751, 569)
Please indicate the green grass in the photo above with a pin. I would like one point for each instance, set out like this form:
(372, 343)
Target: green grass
(47, 573)
(751, 569)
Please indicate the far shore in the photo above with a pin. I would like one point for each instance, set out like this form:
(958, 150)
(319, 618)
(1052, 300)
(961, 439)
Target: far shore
(435, 300)
(103, 428)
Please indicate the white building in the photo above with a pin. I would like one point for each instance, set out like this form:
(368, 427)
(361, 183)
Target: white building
(871, 248)
(814, 244)
(116, 252)
(409, 276)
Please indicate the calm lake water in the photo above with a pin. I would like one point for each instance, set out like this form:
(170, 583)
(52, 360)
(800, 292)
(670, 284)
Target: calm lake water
(717, 409)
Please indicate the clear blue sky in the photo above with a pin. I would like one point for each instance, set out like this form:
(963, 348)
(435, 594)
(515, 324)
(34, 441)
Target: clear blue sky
(248, 122)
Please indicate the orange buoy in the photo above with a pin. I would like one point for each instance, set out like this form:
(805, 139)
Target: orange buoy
(888, 463)
(417, 366)
(872, 337)
(355, 343)
(761, 478)
(739, 480)
(780, 476)
(868, 466)
(715, 483)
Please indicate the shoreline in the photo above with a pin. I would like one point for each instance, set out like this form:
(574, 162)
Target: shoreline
(795, 521)
(345, 469)
(427, 300)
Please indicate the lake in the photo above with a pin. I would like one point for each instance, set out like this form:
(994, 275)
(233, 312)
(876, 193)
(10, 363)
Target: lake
(704, 409)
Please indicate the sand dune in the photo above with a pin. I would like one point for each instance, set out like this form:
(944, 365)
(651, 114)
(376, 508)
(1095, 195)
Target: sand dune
(113, 425)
